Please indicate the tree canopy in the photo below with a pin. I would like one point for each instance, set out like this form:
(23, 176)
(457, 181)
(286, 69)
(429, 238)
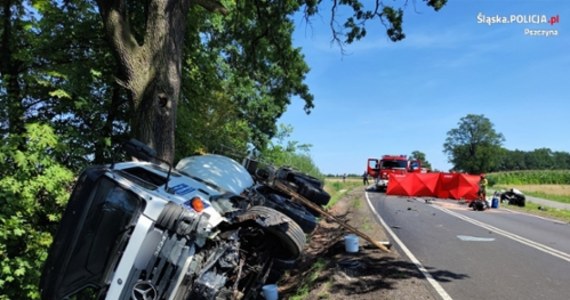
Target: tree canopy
(123, 69)
(282, 151)
(474, 146)
(418, 155)
(250, 39)
(537, 159)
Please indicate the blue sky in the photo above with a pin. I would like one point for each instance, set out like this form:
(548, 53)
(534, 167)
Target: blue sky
(394, 98)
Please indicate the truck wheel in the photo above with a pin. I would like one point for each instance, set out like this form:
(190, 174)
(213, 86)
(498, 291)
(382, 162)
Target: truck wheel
(307, 178)
(296, 211)
(289, 237)
(316, 195)
(298, 177)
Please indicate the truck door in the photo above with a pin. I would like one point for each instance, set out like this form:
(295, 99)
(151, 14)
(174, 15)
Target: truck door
(415, 166)
(373, 167)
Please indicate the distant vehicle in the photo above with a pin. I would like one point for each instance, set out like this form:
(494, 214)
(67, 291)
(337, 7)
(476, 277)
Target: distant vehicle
(380, 169)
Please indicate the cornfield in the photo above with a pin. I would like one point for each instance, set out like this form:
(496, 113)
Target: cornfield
(530, 177)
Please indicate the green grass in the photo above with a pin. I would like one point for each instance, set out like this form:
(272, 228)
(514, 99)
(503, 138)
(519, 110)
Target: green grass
(557, 198)
(357, 203)
(558, 193)
(337, 188)
(546, 184)
(366, 226)
(313, 275)
(533, 208)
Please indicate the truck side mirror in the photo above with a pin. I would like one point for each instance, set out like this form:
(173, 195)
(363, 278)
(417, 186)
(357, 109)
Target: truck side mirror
(414, 165)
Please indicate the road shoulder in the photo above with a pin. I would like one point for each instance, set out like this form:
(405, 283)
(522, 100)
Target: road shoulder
(327, 271)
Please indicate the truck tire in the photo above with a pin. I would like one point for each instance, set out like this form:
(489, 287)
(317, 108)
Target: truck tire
(293, 176)
(299, 213)
(298, 177)
(316, 195)
(289, 236)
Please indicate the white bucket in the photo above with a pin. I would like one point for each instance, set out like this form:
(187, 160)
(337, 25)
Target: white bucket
(351, 243)
(270, 292)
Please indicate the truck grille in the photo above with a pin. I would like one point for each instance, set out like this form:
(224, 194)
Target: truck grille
(159, 278)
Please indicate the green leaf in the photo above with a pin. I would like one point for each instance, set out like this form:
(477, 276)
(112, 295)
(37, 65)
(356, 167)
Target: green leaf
(60, 94)
(95, 73)
(41, 5)
(20, 272)
(56, 74)
(19, 232)
(6, 270)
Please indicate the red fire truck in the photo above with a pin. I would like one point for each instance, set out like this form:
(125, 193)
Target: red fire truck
(380, 169)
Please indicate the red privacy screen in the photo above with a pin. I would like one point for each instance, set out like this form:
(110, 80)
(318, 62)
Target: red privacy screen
(441, 185)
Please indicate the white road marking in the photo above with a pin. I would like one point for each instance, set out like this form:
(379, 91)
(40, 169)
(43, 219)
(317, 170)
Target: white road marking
(541, 247)
(438, 288)
(469, 238)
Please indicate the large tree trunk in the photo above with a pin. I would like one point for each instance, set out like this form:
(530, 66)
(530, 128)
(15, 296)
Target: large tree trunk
(10, 68)
(152, 68)
(154, 116)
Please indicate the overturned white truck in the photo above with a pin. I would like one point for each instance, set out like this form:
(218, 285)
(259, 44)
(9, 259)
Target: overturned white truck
(203, 230)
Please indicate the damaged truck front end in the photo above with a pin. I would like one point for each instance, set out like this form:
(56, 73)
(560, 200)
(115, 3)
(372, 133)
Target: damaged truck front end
(137, 230)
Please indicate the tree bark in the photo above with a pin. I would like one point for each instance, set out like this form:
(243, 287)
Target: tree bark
(10, 69)
(151, 69)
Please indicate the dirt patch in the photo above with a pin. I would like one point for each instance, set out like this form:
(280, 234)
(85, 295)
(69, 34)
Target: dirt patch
(327, 271)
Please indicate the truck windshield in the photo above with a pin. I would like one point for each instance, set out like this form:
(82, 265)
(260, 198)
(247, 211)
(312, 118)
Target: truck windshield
(393, 164)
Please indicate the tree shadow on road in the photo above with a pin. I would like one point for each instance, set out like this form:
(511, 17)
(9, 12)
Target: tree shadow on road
(364, 273)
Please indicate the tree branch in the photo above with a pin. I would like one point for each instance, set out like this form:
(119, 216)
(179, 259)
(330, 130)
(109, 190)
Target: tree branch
(118, 27)
(335, 38)
(212, 6)
(113, 13)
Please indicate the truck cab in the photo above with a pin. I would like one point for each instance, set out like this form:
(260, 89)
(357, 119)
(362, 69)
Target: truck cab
(380, 169)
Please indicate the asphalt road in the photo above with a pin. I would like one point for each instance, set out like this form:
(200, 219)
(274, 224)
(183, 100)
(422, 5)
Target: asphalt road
(495, 254)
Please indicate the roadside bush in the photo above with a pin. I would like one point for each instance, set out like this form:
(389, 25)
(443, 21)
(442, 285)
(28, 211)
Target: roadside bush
(492, 180)
(301, 162)
(33, 191)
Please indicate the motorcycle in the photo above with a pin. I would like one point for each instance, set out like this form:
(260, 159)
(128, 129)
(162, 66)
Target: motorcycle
(513, 197)
(146, 231)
